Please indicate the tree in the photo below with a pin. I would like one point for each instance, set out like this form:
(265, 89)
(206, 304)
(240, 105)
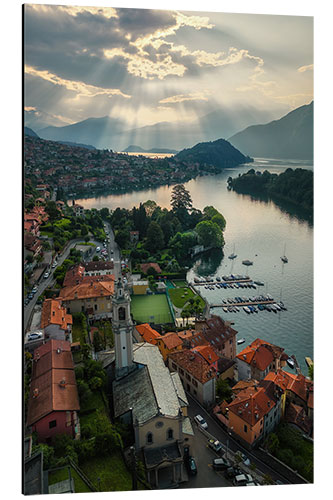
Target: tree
(210, 235)
(155, 237)
(180, 198)
(310, 371)
(223, 390)
(272, 443)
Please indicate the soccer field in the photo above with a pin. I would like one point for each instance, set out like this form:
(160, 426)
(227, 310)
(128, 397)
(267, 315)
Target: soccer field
(151, 309)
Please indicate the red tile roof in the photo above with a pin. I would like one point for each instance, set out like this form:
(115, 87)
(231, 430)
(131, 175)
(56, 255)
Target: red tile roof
(53, 384)
(87, 290)
(144, 267)
(260, 354)
(171, 340)
(207, 353)
(251, 405)
(148, 333)
(75, 276)
(194, 364)
(296, 415)
(53, 313)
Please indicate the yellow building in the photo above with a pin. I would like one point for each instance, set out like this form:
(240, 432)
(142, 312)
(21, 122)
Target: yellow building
(169, 343)
(140, 287)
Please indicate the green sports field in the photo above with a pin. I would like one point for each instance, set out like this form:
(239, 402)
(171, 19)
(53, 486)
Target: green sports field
(151, 309)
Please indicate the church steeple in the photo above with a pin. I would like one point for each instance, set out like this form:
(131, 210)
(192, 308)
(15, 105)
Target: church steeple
(122, 328)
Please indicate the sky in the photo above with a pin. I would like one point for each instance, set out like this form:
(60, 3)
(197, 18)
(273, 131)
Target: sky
(148, 66)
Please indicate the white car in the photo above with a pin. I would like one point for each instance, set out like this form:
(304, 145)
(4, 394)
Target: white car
(201, 421)
(98, 249)
(46, 275)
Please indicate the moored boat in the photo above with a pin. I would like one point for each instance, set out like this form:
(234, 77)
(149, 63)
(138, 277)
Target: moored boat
(241, 341)
(291, 363)
(247, 262)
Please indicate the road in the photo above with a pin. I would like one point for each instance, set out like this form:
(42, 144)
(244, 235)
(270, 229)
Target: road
(222, 435)
(113, 250)
(46, 282)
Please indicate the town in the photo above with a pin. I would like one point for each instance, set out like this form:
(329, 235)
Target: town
(130, 380)
(71, 170)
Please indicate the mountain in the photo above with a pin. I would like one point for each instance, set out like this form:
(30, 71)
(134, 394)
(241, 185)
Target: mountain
(96, 131)
(77, 144)
(219, 153)
(289, 137)
(30, 132)
(138, 149)
(112, 133)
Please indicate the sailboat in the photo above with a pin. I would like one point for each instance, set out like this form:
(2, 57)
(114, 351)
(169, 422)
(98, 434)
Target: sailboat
(284, 258)
(232, 255)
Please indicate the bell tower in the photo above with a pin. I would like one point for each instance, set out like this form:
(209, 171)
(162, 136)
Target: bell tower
(122, 328)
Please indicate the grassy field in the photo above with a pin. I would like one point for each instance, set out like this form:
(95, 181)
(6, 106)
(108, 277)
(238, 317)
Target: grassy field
(151, 308)
(108, 473)
(180, 283)
(179, 296)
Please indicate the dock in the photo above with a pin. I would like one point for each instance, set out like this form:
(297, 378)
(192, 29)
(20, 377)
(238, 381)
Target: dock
(229, 282)
(308, 361)
(242, 304)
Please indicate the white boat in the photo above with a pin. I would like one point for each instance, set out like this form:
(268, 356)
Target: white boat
(291, 363)
(241, 341)
(232, 255)
(284, 258)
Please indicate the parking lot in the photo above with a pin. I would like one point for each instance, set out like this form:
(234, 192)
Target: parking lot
(206, 476)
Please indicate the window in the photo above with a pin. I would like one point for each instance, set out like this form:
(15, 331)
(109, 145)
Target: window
(95, 307)
(169, 434)
(174, 366)
(188, 377)
(181, 371)
(245, 428)
(52, 424)
(149, 438)
(121, 313)
(194, 392)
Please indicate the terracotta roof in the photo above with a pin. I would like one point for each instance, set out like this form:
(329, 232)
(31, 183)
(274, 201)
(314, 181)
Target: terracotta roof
(216, 331)
(186, 334)
(194, 364)
(301, 386)
(144, 267)
(207, 353)
(75, 276)
(147, 333)
(244, 384)
(260, 354)
(87, 290)
(54, 314)
(251, 405)
(99, 265)
(53, 384)
(280, 378)
(171, 340)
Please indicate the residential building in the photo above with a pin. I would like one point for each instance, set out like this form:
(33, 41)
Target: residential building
(140, 287)
(220, 335)
(145, 333)
(99, 268)
(198, 378)
(259, 358)
(93, 298)
(169, 343)
(77, 274)
(55, 321)
(144, 267)
(53, 401)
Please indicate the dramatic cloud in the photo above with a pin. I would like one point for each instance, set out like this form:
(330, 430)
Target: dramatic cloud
(80, 88)
(309, 67)
(195, 96)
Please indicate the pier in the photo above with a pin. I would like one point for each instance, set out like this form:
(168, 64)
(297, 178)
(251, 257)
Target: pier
(248, 303)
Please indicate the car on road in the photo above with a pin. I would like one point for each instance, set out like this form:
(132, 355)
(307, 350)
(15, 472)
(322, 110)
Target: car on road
(54, 264)
(242, 480)
(30, 296)
(215, 445)
(201, 421)
(35, 336)
(98, 249)
(244, 458)
(221, 463)
(26, 301)
(192, 466)
(46, 275)
(34, 290)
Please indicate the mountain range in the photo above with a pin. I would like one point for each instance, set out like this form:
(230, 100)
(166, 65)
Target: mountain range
(290, 137)
(138, 149)
(114, 133)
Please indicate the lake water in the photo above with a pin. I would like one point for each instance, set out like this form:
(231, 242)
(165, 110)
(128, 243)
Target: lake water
(259, 231)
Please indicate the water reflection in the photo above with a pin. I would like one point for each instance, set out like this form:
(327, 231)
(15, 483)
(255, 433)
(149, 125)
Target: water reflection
(209, 262)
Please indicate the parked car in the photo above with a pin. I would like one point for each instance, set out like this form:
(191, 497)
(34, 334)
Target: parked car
(34, 290)
(26, 301)
(192, 466)
(54, 264)
(35, 336)
(30, 296)
(245, 459)
(215, 445)
(221, 463)
(242, 480)
(201, 421)
(98, 249)
(231, 472)
(46, 275)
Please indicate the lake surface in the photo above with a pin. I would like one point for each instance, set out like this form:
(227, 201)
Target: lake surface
(259, 231)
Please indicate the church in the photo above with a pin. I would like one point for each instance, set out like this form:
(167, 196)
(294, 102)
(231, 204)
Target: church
(149, 398)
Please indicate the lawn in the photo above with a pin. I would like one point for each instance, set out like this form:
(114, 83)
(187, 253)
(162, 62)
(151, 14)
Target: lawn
(180, 283)
(151, 309)
(179, 296)
(62, 474)
(108, 473)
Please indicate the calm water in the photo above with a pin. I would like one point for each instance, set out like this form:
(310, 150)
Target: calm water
(259, 231)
